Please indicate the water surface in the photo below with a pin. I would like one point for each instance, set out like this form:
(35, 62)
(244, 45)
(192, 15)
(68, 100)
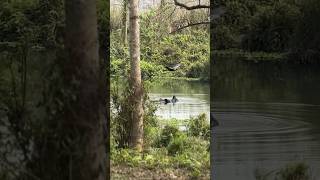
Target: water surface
(193, 98)
(269, 114)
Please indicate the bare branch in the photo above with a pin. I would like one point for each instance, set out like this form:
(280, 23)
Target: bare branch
(199, 6)
(189, 25)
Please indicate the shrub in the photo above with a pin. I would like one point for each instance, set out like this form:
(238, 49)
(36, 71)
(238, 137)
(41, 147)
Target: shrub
(199, 126)
(297, 171)
(168, 132)
(150, 70)
(121, 110)
(177, 144)
(199, 69)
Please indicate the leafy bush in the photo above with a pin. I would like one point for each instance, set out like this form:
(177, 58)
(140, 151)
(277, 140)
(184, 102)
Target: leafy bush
(181, 155)
(177, 144)
(167, 134)
(294, 171)
(223, 38)
(199, 69)
(199, 126)
(307, 33)
(297, 171)
(150, 70)
(121, 114)
(272, 28)
(183, 148)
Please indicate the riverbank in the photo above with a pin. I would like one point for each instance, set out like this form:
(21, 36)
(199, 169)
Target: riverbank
(255, 56)
(168, 152)
(306, 57)
(130, 173)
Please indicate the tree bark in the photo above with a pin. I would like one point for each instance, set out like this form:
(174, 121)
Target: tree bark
(212, 60)
(136, 132)
(83, 120)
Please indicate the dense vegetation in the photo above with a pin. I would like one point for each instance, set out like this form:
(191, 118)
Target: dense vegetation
(287, 27)
(167, 149)
(33, 94)
(160, 46)
(33, 97)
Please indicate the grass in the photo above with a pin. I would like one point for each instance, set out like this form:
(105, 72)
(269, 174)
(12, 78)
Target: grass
(170, 152)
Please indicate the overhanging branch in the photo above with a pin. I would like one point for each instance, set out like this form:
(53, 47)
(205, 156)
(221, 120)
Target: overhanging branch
(199, 6)
(189, 25)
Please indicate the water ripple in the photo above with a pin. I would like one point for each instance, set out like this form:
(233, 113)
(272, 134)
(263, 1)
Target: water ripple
(254, 134)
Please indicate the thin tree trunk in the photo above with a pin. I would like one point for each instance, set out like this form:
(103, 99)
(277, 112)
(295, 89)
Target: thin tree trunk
(124, 22)
(162, 3)
(212, 60)
(83, 120)
(136, 132)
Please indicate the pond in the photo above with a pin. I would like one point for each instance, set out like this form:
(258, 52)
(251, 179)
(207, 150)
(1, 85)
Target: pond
(269, 115)
(193, 98)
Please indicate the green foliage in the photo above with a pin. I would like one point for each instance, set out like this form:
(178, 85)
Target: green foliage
(165, 146)
(199, 69)
(199, 126)
(121, 114)
(192, 50)
(270, 26)
(293, 171)
(223, 38)
(159, 48)
(178, 144)
(167, 134)
(297, 171)
(38, 22)
(307, 35)
(186, 155)
(179, 155)
(150, 70)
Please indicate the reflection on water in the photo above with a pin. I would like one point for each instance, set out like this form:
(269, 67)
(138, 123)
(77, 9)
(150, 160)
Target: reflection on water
(193, 98)
(269, 115)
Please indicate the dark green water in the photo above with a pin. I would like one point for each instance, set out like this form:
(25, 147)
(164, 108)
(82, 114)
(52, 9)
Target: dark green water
(269, 114)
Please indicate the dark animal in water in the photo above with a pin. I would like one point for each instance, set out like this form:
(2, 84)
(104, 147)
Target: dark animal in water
(213, 121)
(174, 99)
(173, 67)
(166, 101)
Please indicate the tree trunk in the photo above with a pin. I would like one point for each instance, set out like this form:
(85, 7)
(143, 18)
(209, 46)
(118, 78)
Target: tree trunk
(124, 31)
(83, 120)
(162, 3)
(136, 131)
(212, 82)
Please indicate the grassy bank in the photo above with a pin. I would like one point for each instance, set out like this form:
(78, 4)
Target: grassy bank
(169, 152)
(254, 56)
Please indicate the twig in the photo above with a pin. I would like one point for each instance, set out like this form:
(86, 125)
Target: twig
(199, 6)
(189, 25)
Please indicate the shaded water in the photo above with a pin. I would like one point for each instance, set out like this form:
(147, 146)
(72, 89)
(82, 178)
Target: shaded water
(193, 98)
(269, 115)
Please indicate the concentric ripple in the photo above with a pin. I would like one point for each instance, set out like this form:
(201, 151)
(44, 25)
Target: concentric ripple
(252, 135)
